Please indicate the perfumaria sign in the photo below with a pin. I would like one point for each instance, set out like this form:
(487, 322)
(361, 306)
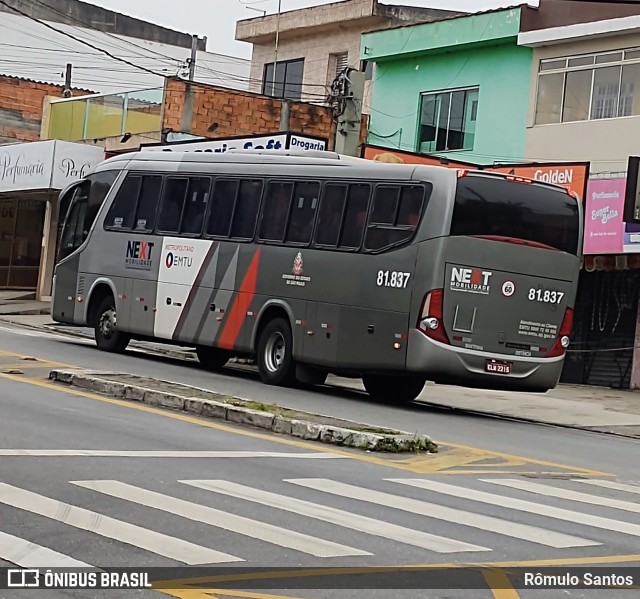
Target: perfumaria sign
(45, 164)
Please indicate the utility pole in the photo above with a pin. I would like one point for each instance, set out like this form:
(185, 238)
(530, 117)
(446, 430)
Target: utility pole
(187, 113)
(347, 95)
(67, 81)
(275, 52)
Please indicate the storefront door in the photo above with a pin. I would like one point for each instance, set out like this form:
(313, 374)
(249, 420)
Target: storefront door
(21, 230)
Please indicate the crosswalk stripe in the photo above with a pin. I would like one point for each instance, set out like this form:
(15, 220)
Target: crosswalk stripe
(609, 484)
(440, 512)
(225, 520)
(522, 505)
(103, 453)
(161, 544)
(26, 554)
(335, 516)
(550, 491)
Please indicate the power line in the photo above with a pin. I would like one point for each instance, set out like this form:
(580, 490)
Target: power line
(73, 37)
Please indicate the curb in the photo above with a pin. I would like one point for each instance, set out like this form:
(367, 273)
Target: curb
(235, 410)
(187, 355)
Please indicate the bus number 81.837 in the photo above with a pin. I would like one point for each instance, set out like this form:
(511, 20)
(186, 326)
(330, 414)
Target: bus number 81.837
(393, 278)
(546, 296)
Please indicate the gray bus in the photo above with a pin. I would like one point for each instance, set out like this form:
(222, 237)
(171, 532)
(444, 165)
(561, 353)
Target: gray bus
(317, 264)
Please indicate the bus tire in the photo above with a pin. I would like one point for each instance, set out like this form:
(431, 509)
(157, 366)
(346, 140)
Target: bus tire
(393, 389)
(107, 337)
(212, 358)
(275, 353)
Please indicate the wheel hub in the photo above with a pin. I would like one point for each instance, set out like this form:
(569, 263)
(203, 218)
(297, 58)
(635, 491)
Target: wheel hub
(275, 352)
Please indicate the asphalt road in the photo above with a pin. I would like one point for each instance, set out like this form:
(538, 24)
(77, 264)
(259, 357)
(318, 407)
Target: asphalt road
(238, 498)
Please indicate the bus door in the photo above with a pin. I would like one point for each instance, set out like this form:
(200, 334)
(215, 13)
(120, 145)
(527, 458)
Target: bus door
(72, 207)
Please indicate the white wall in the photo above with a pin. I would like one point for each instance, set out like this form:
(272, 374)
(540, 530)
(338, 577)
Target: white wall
(606, 143)
(30, 50)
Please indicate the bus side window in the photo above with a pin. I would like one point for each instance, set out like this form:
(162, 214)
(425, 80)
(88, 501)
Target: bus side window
(222, 202)
(303, 211)
(355, 218)
(147, 203)
(172, 205)
(397, 221)
(275, 211)
(246, 210)
(411, 204)
(122, 212)
(330, 216)
(196, 204)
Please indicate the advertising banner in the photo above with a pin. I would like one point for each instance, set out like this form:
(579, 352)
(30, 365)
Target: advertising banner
(572, 175)
(275, 141)
(604, 228)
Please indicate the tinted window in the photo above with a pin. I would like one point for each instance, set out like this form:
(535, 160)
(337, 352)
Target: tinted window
(385, 205)
(122, 212)
(330, 216)
(246, 210)
(173, 200)
(222, 202)
(411, 200)
(275, 211)
(355, 216)
(397, 221)
(303, 211)
(147, 203)
(195, 205)
(100, 185)
(495, 207)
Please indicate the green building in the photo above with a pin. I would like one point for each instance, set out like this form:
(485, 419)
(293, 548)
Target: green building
(458, 87)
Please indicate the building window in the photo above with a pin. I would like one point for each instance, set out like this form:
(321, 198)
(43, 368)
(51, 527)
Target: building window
(590, 87)
(448, 120)
(287, 82)
(340, 63)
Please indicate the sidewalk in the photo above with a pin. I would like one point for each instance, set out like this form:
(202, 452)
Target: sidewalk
(598, 409)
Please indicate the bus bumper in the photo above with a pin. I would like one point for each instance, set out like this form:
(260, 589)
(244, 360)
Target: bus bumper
(449, 365)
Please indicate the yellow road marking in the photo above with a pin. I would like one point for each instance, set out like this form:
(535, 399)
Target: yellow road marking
(415, 465)
(497, 578)
(449, 460)
(499, 585)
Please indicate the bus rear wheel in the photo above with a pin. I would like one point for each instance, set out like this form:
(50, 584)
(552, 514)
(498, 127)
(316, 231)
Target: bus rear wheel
(107, 337)
(393, 389)
(275, 353)
(212, 358)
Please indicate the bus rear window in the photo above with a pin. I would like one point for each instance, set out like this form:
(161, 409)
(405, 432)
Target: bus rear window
(498, 208)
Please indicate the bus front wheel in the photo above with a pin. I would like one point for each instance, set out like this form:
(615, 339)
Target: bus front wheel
(395, 389)
(275, 353)
(107, 337)
(212, 358)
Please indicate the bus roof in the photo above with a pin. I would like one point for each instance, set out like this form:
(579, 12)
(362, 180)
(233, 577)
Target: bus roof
(311, 158)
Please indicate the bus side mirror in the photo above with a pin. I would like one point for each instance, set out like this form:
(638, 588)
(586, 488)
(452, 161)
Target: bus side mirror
(632, 194)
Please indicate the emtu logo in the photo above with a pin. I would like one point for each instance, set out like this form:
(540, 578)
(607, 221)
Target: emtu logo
(470, 280)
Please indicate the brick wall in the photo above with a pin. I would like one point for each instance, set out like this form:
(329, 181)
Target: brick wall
(21, 104)
(240, 113)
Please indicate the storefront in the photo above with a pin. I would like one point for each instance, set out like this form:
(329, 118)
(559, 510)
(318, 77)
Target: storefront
(602, 350)
(31, 178)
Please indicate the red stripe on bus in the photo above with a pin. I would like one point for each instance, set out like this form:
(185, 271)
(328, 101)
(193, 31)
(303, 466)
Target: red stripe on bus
(238, 311)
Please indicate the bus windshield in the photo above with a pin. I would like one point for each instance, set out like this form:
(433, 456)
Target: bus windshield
(506, 210)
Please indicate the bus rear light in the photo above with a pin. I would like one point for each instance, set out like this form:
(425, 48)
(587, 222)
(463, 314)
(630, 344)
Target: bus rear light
(563, 340)
(431, 317)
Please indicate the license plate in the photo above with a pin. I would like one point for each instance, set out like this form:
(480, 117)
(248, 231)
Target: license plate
(498, 367)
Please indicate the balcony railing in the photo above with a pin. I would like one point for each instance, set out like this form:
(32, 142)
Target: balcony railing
(100, 116)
